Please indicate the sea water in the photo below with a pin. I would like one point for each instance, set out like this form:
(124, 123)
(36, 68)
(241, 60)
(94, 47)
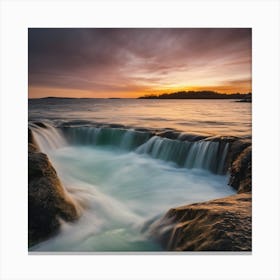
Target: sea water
(120, 189)
(212, 117)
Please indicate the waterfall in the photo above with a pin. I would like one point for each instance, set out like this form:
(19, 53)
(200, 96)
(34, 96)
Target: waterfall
(166, 149)
(126, 139)
(47, 137)
(207, 155)
(202, 154)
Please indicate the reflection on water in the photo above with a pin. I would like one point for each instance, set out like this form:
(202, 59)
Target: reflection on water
(214, 117)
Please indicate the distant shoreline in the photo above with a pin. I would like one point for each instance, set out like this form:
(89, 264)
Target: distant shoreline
(245, 97)
(199, 95)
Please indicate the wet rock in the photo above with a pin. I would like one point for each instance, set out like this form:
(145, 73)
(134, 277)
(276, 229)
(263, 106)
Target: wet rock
(217, 225)
(241, 171)
(190, 137)
(74, 123)
(40, 124)
(143, 129)
(221, 139)
(114, 125)
(236, 149)
(48, 202)
(30, 137)
(170, 134)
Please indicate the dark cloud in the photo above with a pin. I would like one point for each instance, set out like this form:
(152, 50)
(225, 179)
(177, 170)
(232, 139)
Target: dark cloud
(123, 59)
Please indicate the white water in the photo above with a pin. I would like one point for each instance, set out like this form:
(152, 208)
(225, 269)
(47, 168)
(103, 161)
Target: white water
(120, 189)
(200, 154)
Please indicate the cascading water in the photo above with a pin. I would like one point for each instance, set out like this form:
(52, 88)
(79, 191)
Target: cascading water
(199, 154)
(127, 139)
(124, 177)
(48, 137)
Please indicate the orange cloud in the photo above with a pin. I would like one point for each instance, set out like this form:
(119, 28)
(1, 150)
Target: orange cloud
(130, 62)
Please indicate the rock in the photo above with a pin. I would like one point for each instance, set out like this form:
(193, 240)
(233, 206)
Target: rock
(170, 134)
(115, 125)
(241, 172)
(40, 124)
(221, 139)
(217, 225)
(48, 202)
(191, 137)
(236, 148)
(30, 137)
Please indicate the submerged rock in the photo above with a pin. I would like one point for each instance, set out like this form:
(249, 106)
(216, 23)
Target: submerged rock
(217, 225)
(48, 202)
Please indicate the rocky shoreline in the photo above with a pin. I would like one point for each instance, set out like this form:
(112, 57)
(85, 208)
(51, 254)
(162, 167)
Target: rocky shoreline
(218, 225)
(48, 202)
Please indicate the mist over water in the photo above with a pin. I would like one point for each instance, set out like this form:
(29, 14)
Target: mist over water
(119, 192)
(122, 178)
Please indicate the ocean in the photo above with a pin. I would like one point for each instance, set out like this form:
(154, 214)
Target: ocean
(128, 161)
(211, 117)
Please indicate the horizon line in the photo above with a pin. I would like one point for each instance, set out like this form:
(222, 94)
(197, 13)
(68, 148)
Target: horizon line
(143, 96)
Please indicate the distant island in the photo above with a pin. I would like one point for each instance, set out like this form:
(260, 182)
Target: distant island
(245, 97)
(241, 97)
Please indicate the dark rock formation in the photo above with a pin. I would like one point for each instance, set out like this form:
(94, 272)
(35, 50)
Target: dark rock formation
(221, 139)
(170, 134)
(190, 137)
(217, 225)
(236, 148)
(241, 172)
(40, 124)
(30, 137)
(47, 200)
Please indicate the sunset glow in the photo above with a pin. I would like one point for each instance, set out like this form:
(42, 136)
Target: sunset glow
(104, 63)
(148, 121)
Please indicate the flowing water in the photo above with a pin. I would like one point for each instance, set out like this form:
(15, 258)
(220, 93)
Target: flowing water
(114, 158)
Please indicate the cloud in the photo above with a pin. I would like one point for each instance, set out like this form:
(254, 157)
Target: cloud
(127, 59)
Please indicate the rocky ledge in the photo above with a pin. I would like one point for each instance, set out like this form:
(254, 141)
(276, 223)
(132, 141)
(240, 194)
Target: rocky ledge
(48, 202)
(241, 171)
(218, 225)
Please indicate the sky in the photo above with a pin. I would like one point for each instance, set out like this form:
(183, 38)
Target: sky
(132, 62)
